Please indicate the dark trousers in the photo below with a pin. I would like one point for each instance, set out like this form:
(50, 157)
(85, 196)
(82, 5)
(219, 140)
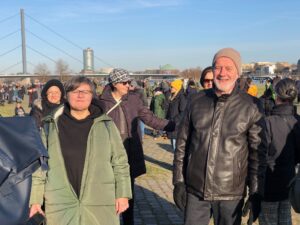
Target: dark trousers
(128, 215)
(199, 212)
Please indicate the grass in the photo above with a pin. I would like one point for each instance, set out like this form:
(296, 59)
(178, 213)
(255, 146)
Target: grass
(9, 109)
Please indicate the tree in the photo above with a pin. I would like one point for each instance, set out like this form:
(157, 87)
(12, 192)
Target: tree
(62, 69)
(192, 73)
(42, 71)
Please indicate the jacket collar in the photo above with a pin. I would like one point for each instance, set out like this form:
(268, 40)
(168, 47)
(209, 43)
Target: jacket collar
(225, 97)
(60, 110)
(283, 109)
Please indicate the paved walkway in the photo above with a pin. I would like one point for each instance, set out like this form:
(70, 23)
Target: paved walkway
(154, 190)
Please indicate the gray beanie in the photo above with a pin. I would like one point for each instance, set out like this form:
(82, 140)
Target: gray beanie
(233, 55)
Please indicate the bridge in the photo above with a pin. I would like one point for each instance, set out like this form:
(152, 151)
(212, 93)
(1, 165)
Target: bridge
(25, 47)
(95, 75)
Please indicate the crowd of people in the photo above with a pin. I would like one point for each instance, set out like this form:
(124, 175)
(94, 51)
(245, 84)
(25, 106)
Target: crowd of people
(233, 152)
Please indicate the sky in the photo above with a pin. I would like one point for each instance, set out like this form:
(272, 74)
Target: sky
(145, 34)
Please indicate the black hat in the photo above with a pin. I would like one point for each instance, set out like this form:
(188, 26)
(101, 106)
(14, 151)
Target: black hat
(286, 89)
(50, 83)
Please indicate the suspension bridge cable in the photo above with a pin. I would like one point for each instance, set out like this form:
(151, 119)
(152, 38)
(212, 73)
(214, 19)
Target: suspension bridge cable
(53, 46)
(5, 53)
(53, 31)
(67, 40)
(12, 66)
(41, 54)
(12, 33)
(8, 18)
(103, 61)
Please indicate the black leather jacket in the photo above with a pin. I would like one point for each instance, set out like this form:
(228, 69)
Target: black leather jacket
(221, 146)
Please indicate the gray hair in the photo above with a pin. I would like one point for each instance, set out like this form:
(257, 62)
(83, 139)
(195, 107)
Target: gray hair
(76, 81)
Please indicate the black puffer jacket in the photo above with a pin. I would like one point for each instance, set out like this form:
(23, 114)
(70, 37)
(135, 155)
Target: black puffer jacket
(133, 110)
(221, 143)
(175, 112)
(283, 132)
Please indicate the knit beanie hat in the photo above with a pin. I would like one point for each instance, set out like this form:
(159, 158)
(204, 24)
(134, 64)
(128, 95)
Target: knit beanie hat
(177, 84)
(118, 75)
(49, 84)
(233, 55)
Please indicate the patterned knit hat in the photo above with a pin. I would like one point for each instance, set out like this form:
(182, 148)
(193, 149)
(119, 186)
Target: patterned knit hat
(118, 75)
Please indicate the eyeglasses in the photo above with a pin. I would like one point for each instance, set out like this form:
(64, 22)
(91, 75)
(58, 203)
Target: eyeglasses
(53, 93)
(126, 82)
(83, 92)
(228, 69)
(208, 80)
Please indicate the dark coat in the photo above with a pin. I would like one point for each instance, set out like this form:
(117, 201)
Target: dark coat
(221, 146)
(283, 129)
(133, 110)
(267, 102)
(175, 111)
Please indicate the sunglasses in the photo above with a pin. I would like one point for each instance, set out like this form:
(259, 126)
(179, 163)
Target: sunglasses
(126, 82)
(208, 80)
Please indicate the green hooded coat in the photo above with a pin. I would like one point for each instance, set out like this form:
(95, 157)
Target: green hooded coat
(105, 178)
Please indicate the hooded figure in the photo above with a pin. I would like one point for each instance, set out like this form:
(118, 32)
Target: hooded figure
(52, 96)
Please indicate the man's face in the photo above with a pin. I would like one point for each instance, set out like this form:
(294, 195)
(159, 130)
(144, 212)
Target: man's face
(225, 75)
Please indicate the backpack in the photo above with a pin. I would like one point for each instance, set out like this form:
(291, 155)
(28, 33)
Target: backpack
(21, 153)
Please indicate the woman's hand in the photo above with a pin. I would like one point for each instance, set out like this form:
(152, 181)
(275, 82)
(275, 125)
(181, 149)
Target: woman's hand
(121, 205)
(35, 208)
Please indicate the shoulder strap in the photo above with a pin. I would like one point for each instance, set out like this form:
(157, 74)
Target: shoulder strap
(115, 106)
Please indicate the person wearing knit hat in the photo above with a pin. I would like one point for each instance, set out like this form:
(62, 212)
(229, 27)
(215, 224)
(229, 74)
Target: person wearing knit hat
(221, 150)
(126, 109)
(232, 54)
(52, 96)
(226, 69)
(176, 108)
(119, 75)
(177, 85)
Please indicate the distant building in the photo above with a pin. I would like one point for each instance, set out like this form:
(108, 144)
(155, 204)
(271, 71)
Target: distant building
(248, 68)
(88, 61)
(298, 67)
(265, 70)
(106, 70)
(168, 69)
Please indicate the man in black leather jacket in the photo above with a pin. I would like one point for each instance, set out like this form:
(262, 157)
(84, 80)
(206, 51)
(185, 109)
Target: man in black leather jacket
(221, 149)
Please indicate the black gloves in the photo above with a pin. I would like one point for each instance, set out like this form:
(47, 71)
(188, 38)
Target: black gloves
(253, 204)
(179, 195)
(170, 126)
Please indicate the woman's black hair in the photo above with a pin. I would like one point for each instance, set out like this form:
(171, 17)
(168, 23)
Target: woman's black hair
(286, 90)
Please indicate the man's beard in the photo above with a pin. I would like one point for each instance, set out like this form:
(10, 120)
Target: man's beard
(228, 87)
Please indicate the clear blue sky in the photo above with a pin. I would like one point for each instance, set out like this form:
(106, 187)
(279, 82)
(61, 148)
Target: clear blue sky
(140, 34)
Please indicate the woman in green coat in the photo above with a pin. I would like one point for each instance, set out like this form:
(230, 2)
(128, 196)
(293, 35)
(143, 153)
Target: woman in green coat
(88, 181)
